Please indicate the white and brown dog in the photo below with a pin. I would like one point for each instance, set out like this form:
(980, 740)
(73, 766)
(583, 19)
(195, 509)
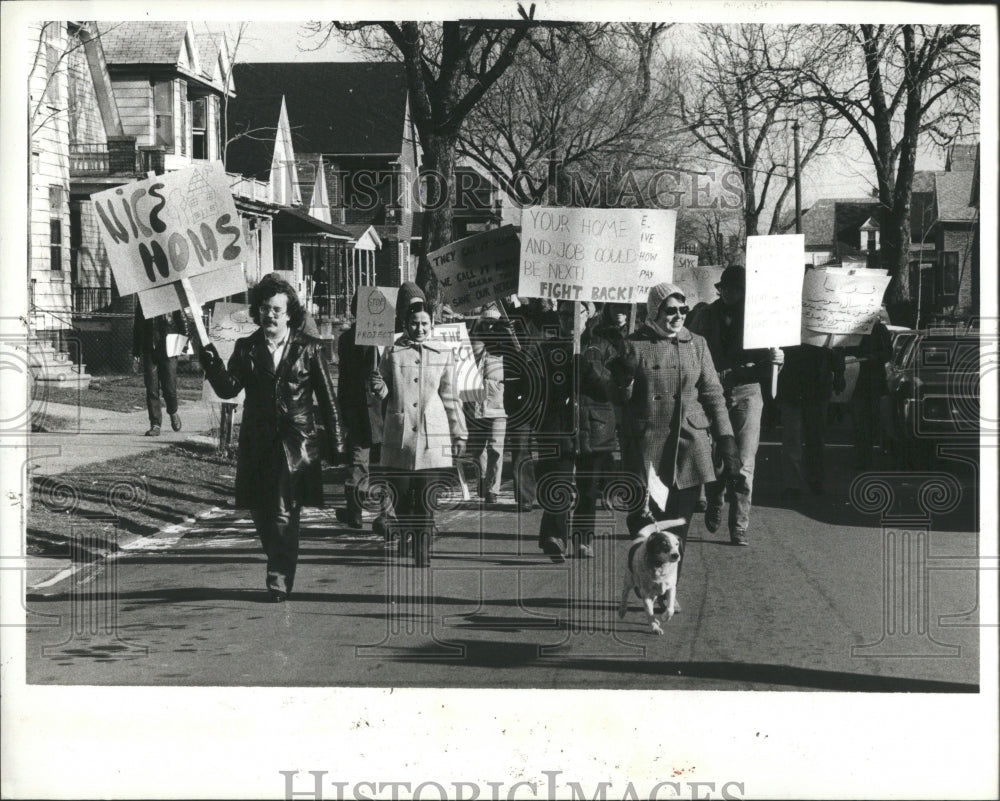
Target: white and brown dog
(651, 570)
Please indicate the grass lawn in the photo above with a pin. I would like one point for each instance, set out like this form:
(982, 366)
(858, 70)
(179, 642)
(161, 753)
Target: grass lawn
(124, 393)
(83, 511)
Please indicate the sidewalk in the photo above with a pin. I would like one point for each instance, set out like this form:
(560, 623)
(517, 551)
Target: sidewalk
(96, 435)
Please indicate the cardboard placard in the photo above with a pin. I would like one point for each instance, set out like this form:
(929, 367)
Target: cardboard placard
(161, 229)
(773, 312)
(478, 269)
(222, 283)
(230, 321)
(376, 320)
(467, 375)
(698, 283)
(597, 255)
(842, 302)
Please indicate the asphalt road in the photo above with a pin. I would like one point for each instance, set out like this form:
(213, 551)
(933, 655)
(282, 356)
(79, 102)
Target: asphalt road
(828, 597)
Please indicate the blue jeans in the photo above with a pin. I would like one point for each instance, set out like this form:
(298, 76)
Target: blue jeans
(745, 404)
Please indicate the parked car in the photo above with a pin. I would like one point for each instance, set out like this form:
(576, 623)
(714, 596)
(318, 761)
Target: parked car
(933, 395)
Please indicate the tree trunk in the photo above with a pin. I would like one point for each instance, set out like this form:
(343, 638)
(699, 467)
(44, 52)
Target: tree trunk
(439, 174)
(750, 213)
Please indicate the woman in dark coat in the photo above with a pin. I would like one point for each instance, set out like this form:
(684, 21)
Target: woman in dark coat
(278, 468)
(673, 400)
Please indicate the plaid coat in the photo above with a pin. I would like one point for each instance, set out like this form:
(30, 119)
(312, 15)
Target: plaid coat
(674, 401)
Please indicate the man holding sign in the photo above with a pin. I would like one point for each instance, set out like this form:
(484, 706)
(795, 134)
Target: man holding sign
(278, 468)
(741, 373)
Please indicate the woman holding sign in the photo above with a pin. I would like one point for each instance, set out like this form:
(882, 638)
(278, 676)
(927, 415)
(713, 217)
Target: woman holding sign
(278, 468)
(424, 425)
(673, 399)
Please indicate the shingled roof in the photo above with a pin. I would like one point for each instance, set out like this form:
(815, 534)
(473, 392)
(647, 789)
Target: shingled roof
(143, 42)
(832, 220)
(334, 108)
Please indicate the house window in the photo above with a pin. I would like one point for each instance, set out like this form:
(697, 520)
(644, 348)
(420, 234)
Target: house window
(163, 109)
(51, 74)
(55, 227)
(405, 190)
(199, 128)
(948, 278)
(284, 256)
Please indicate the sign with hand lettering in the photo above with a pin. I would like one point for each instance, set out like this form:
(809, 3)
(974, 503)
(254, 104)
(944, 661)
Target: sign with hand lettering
(468, 378)
(596, 255)
(842, 302)
(161, 229)
(697, 282)
(773, 311)
(477, 270)
(376, 319)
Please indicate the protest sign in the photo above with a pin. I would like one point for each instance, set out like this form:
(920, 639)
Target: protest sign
(597, 255)
(773, 312)
(467, 375)
(230, 321)
(842, 302)
(478, 269)
(697, 283)
(167, 227)
(222, 283)
(376, 319)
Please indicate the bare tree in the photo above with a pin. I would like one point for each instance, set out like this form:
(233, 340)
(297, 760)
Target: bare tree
(450, 66)
(738, 108)
(590, 111)
(898, 87)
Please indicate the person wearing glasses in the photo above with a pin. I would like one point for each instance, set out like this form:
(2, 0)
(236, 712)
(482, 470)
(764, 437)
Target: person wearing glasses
(741, 372)
(278, 470)
(673, 402)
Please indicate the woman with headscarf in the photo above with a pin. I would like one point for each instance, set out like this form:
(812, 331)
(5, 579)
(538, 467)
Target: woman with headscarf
(673, 402)
(424, 425)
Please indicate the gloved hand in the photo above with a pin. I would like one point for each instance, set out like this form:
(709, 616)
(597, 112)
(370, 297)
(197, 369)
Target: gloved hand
(623, 368)
(209, 357)
(730, 455)
(458, 448)
(839, 383)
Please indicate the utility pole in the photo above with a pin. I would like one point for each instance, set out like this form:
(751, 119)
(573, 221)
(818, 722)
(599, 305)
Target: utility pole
(798, 180)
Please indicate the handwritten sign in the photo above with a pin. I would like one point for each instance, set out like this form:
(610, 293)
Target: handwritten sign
(172, 226)
(376, 315)
(467, 375)
(698, 283)
(230, 321)
(842, 302)
(478, 269)
(773, 312)
(599, 255)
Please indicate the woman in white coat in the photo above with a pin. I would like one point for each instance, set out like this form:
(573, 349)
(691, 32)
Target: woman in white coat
(424, 427)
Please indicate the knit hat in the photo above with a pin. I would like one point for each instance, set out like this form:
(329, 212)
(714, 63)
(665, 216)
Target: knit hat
(409, 293)
(658, 294)
(732, 275)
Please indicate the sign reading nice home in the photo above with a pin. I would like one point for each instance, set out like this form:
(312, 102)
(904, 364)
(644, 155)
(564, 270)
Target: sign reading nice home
(179, 225)
(478, 269)
(599, 255)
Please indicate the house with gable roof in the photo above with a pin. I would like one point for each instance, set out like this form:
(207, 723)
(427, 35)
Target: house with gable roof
(352, 135)
(943, 277)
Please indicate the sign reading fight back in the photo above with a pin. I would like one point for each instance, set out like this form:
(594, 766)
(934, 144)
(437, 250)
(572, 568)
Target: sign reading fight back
(478, 269)
(597, 255)
(161, 229)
